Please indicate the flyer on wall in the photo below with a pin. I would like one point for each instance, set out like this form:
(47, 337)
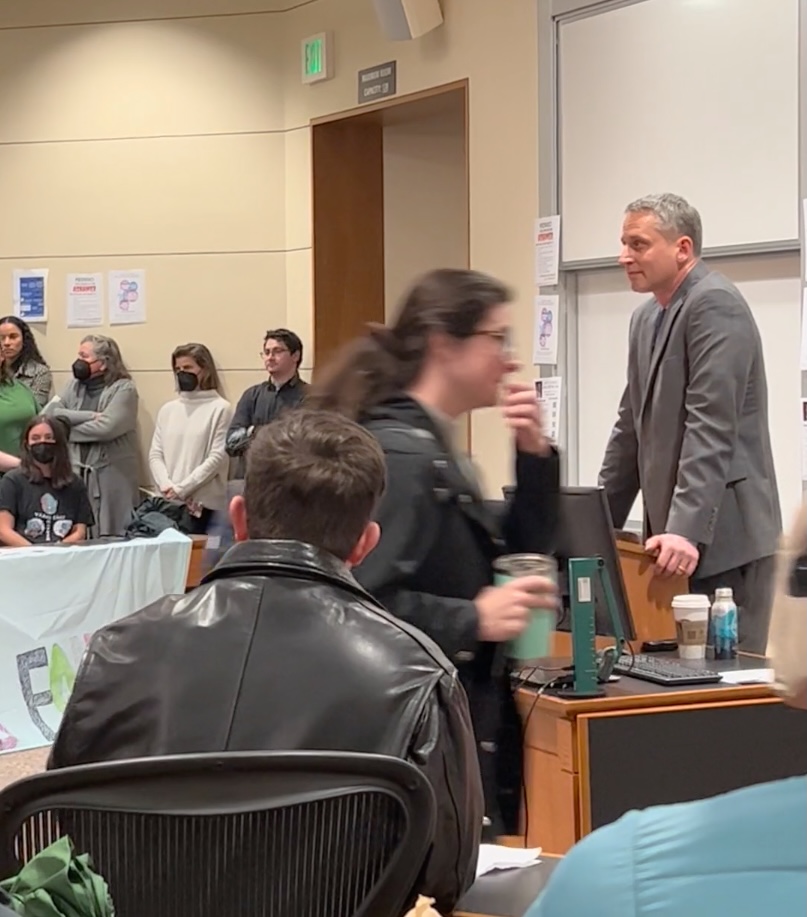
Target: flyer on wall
(545, 334)
(127, 297)
(548, 389)
(29, 294)
(85, 303)
(547, 250)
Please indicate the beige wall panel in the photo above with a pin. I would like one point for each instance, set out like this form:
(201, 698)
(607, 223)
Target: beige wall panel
(228, 193)
(494, 45)
(299, 299)
(224, 301)
(425, 201)
(201, 194)
(141, 79)
(32, 13)
(298, 189)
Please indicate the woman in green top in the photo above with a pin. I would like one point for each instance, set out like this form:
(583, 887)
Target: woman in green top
(17, 407)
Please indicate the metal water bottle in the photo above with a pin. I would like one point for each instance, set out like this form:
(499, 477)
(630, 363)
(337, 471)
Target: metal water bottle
(723, 624)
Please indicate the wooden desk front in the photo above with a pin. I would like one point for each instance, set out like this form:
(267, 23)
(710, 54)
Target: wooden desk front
(561, 760)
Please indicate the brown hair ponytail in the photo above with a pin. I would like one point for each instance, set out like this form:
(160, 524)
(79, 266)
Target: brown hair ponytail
(388, 359)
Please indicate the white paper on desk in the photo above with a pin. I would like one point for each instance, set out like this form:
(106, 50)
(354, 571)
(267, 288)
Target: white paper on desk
(547, 250)
(748, 677)
(492, 857)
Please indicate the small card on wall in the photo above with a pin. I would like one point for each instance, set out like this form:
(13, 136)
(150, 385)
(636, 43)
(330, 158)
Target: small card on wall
(545, 334)
(548, 390)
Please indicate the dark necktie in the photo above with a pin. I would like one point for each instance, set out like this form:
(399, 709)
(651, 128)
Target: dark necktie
(657, 327)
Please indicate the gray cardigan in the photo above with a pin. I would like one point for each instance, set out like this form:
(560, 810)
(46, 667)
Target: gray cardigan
(111, 467)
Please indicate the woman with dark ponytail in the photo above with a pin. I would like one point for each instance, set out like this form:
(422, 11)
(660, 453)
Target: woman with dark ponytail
(446, 353)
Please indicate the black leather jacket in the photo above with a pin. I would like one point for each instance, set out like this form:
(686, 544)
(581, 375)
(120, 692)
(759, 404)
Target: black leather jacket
(267, 654)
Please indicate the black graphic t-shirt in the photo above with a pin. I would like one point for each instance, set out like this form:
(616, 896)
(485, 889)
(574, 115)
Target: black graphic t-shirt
(43, 514)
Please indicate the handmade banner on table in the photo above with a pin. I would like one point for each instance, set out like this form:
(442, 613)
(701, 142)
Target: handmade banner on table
(53, 599)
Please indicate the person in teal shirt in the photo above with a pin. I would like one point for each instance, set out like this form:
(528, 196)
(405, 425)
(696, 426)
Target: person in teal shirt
(17, 407)
(741, 854)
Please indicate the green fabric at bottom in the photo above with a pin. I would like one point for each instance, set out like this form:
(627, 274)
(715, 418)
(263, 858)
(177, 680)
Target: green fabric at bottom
(57, 883)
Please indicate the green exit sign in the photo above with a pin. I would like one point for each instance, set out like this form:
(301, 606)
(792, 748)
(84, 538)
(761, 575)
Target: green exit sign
(316, 58)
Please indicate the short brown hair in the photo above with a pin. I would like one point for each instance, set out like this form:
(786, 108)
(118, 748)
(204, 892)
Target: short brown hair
(209, 377)
(315, 477)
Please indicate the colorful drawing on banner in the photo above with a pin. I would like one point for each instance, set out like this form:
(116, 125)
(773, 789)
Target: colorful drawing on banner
(8, 742)
(127, 297)
(548, 389)
(545, 335)
(61, 667)
(29, 294)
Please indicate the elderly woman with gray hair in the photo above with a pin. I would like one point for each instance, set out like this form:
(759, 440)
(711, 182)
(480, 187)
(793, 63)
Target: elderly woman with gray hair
(100, 407)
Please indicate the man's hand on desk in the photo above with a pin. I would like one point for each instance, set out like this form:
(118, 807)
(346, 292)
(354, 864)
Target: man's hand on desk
(675, 555)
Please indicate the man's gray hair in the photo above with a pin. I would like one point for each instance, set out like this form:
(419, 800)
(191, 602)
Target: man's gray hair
(676, 216)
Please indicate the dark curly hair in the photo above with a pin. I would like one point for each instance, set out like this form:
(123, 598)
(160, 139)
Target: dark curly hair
(30, 349)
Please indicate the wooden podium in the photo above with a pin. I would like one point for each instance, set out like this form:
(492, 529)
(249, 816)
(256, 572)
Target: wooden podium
(649, 597)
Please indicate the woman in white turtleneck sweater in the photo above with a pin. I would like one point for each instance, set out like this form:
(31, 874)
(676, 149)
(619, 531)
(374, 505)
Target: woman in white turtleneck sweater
(187, 458)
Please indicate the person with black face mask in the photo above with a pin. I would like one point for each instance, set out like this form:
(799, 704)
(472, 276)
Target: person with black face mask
(99, 405)
(43, 501)
(188, 459)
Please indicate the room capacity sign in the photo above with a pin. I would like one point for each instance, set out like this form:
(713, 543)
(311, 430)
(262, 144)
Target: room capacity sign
(62, 595)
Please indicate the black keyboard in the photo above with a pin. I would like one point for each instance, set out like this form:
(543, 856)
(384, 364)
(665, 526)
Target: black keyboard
(668, 672)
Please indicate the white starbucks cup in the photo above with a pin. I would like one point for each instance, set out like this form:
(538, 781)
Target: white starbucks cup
(691, 614)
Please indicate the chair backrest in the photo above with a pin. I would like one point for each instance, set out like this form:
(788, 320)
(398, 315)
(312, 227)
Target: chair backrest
(258, 834)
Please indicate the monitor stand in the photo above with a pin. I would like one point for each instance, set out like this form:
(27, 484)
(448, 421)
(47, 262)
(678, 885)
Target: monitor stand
(590, 668)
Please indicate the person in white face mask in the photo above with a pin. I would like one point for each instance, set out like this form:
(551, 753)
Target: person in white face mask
(743, 853)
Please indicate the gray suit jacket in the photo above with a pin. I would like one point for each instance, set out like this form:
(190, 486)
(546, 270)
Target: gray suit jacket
(692, 427)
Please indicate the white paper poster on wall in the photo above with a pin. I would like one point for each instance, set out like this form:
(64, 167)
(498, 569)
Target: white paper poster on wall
(547, 250)
(803, 366)
(548, 390)
(804, 439)
(29, 294)
(127, 297)
(804, 235)
(545, 334)
(85, 300)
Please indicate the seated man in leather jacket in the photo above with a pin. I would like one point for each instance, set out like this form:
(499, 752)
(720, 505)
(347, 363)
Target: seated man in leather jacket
(279, 648)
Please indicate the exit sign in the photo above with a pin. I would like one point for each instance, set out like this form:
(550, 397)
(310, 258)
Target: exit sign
(316, 58)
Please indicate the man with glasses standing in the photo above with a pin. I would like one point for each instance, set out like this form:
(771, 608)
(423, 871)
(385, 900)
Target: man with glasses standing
(260, 404)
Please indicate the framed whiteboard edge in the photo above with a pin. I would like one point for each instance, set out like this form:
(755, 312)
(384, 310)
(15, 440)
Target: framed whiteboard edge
(551, 13)
(718, 251)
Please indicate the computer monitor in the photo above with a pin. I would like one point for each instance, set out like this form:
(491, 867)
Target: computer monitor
(586, 530)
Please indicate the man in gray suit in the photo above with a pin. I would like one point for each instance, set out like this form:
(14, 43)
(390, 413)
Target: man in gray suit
(692, 426)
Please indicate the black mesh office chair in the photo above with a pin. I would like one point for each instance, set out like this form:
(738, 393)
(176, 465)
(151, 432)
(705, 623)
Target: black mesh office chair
(255, 834)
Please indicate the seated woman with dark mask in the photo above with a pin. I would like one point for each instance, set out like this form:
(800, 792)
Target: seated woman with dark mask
(43, 501)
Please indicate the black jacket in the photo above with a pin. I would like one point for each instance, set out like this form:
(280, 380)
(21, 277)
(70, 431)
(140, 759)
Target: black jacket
(438, 543)
(267, 654)
(258, 405)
